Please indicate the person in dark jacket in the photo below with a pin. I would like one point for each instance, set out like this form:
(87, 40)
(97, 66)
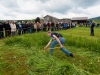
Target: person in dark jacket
(28, 27)
(24, 27)
(56, 38)
(57, 26)
(92, 29)
(44, 26)
(1, 30)
(7, 28)
(52, 26)
(32, 27)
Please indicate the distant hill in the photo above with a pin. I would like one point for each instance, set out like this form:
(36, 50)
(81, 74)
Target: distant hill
(96, 18)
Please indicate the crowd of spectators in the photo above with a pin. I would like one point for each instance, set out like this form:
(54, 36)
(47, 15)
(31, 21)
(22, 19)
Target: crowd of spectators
(8, 29)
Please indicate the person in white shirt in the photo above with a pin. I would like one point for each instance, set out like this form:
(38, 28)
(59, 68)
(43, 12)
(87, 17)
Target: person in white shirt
(13, 28)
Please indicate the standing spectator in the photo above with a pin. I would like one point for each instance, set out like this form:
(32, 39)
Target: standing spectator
(57, 26)
(68, 25)
(89, 23)
(49, 25)
(52, 26)
(41, 26)
(62, 26)
(73, 24)
(1, 30)
(13, 28)
(44, 26)
(19, 28)
(35, 27)
(32, 27)
(38, 26)
(28, 27)
(24, 27)
(65, 26)
(7, 28)
(92, 29)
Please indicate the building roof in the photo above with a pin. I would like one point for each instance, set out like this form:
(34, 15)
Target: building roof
(50, 16)
(64, 20)
(79, 18)
(59, 20)
(68, 20)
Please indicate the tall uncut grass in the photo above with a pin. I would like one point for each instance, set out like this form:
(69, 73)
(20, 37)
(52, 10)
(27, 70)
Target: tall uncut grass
(85, 42)
(24, 55)
(80, 37)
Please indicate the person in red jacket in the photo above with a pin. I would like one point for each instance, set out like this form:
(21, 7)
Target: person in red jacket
(49, 25)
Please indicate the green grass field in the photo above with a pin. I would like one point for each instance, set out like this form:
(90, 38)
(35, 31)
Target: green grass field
(24, 55)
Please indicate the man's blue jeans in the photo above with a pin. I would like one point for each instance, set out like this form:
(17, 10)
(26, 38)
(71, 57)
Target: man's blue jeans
(62, 40)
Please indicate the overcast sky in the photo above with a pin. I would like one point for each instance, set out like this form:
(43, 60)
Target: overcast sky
(30, 9)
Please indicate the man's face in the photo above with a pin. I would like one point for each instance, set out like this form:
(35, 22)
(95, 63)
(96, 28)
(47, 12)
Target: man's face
(49, 34)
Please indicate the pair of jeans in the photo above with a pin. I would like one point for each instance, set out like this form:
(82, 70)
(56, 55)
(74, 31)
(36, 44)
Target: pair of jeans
(62, 40)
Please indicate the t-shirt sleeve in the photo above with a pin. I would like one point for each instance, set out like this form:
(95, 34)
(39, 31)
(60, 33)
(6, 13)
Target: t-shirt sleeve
(51, 37)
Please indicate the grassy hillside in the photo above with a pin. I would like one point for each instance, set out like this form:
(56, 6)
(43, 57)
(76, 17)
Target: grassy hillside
(24, 55)
(96, 18)
(96, 21)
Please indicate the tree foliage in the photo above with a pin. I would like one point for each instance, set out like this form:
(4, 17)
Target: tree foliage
(37, 20)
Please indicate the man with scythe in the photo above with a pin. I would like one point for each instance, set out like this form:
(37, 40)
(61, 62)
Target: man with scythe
(56, 38)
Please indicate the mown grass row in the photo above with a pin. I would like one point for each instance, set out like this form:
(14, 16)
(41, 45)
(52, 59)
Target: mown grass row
(19, 61)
